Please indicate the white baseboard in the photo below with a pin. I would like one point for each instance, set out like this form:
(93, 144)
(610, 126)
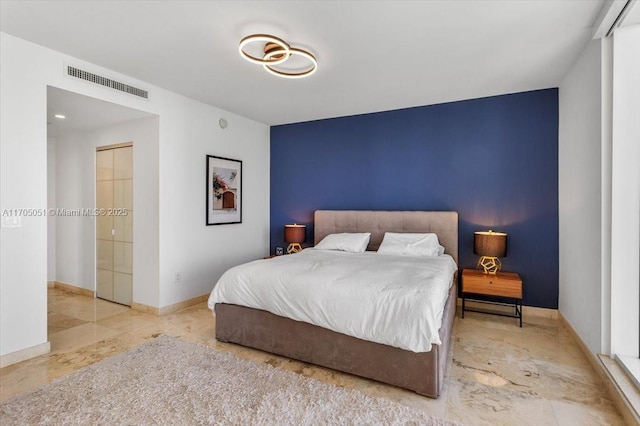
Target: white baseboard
(169, 309)
(74, 289)
(622, 388)
(24, 354)
(623, 393)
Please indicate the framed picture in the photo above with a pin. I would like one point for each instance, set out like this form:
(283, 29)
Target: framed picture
(224, 190)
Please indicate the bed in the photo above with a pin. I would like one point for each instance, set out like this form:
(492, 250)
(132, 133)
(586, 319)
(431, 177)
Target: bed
(420, 371)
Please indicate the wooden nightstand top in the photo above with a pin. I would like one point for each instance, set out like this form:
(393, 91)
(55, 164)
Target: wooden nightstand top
(476, 273)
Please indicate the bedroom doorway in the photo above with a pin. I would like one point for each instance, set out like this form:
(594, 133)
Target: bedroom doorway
(114, 223)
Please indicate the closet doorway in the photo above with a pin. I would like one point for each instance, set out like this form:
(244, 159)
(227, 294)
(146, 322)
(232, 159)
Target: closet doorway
(114, 223)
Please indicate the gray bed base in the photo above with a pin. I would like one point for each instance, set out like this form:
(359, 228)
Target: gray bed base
(421, 372)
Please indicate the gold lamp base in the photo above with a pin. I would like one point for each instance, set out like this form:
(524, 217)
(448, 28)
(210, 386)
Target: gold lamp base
(490, 264)
(294, 248)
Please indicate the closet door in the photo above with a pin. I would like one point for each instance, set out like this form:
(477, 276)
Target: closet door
(114, 229)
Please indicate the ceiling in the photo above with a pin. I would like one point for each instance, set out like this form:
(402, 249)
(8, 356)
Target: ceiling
(83, 113)
(372, 55)
(633, 16)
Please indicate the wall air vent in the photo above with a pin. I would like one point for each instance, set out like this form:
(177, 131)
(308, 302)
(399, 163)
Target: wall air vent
(103, 81)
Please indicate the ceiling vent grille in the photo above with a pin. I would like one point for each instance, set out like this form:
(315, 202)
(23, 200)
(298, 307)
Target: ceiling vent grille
(97, 79)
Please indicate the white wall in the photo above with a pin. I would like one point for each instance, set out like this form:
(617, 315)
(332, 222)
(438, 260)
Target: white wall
(51, 204)
(599, 160)
(606, 134)
(75, 189)
(202, 253)
(23, 184)
(580, 196)
(625, 206)
(187, 132)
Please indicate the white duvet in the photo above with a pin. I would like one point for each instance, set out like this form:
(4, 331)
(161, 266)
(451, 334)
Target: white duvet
(388, 299)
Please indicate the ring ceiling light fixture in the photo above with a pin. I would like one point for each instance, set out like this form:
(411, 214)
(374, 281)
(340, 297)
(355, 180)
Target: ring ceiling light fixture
(275, 52)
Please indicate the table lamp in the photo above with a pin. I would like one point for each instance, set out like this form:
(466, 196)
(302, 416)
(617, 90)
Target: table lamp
(490, 246)
(294, 235)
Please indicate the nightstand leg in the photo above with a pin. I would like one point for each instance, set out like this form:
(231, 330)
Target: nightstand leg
(520, 313)
(463, 306)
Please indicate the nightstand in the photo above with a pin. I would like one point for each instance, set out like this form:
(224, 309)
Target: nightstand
(507, 285)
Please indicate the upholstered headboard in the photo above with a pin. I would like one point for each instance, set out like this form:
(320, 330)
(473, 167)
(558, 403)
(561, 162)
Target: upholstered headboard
(444, 224)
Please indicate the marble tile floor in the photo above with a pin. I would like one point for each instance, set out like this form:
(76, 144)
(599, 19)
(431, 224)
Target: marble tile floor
(498, 373)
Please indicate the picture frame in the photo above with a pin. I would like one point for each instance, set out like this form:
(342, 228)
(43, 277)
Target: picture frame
(224, 191)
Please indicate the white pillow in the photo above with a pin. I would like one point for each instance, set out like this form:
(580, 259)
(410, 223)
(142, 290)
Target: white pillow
(351, 242)
(411, 244)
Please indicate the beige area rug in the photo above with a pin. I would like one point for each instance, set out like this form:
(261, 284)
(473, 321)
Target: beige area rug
(168, 381)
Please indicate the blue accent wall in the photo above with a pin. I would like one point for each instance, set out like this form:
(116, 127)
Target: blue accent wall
(493, 160)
